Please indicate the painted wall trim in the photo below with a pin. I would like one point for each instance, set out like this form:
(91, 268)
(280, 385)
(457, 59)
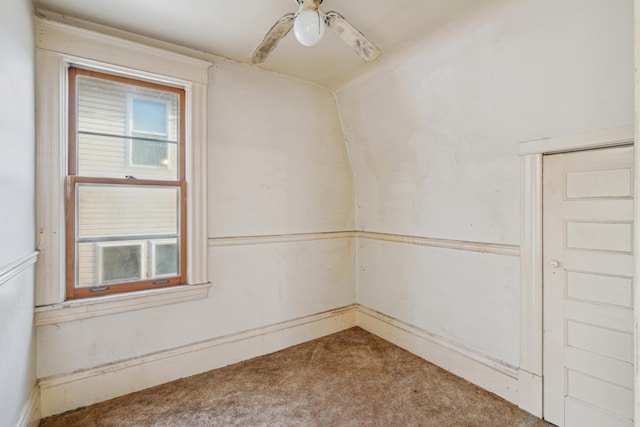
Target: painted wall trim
(280, 238)
(636, 218)
(531, 281)
(64, 392)
(50, 167)
(530, 392)
(492, 248)
(71, 40)
(196, 161)
(609, 137)
(531, 260)
(11, 270)
(112, 304)
(30, 415)
(490, 374)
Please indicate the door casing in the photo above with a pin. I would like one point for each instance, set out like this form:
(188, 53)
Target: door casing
(530, 387)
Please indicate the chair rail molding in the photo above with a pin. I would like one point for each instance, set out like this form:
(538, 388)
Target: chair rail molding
(16, 267)
(483, 247)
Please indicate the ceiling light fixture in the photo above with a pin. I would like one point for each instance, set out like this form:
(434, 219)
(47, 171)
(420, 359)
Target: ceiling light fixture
(309, 27)
(308, 24)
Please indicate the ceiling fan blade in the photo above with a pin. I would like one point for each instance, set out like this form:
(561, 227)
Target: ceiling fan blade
(352, 37)
(273, 37)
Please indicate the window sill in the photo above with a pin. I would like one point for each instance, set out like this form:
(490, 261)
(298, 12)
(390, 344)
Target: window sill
(112, 304)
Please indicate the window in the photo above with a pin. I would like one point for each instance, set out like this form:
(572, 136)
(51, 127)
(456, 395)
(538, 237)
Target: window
(126, 188)
(164, 254)
(149, 122)
(118, 262)
(63, 48)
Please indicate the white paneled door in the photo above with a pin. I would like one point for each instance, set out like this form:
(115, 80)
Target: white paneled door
(588, 271)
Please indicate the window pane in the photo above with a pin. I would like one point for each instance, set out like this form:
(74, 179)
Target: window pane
(103, 263)
(126, 210)
(126, 130)
(165, 258)
(101, 157)
(149, 153)
(88, 270)
(121, 263)
(149, 117)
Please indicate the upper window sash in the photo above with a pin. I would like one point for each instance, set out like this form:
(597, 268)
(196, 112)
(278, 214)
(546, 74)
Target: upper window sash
(175, 128)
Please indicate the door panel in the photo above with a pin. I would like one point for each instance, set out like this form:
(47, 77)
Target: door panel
(605, 183)
(600, 263)
(587, 273)
(613, 344)
(582, 414)
(602, 367)
(599, 236)
(599, 288)
(599, 314)
(600, 393)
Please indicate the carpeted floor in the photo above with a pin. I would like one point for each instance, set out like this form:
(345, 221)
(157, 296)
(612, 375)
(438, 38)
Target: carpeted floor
(351, 378)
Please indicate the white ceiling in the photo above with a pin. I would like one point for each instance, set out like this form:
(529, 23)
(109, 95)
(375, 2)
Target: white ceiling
(233, 28)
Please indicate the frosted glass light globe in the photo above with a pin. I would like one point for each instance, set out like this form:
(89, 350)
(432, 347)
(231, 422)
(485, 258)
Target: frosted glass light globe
(308, 27)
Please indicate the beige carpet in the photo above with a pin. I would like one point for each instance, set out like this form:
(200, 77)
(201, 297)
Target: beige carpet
(351, 378)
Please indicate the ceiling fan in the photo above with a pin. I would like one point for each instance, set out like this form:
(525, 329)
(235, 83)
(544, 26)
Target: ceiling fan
(308, 26)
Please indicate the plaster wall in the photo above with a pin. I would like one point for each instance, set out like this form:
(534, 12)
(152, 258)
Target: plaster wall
(277, 159)
(277, 165)
(17, 344)
(434, 139)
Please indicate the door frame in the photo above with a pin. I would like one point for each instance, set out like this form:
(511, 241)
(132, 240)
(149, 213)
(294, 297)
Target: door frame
(530, 378)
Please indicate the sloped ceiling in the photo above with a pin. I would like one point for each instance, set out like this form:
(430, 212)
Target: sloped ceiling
(233, 28)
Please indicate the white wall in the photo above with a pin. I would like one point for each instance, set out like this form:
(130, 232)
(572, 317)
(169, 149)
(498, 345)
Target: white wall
(433, 142)
(277, 159)
(17, 346)
(277, 166)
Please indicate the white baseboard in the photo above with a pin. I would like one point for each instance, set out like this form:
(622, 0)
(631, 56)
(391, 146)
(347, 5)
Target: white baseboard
(492, 375)
(64, 392)
(530, 392)
(30, 416)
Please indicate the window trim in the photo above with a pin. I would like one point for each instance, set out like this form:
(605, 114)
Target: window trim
(59, 45)
(88, 308)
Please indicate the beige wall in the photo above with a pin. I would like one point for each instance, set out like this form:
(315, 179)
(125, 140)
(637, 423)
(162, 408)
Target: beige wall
(17, 346)
(434, 146)
(277, 159)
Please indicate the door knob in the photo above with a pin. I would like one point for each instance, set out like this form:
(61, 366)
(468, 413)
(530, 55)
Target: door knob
(554, 263)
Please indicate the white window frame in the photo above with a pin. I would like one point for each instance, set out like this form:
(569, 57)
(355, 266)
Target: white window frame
(130, 130)
(142, 244)
(58, 46)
